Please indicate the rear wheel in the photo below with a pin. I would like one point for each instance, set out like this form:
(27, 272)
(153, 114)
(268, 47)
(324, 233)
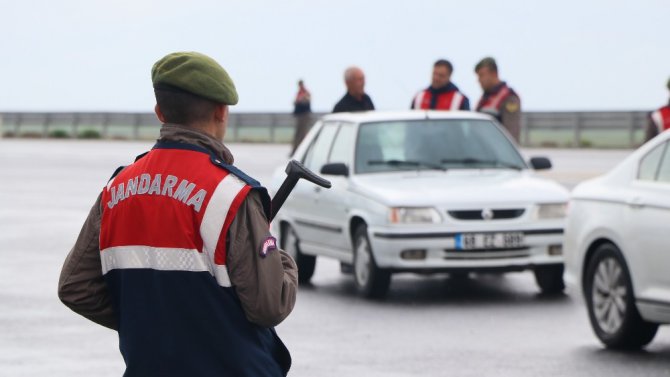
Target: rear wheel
(611, 302)
(550, 279)
(371, 281)
(305, 263)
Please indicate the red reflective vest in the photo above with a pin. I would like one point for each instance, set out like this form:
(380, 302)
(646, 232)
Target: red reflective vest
(162, 213)
(492, 103)
(661, 118)
(165, 220)
(451, 100)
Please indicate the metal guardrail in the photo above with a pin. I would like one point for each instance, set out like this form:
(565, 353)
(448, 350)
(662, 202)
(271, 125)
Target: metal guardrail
(622, 129)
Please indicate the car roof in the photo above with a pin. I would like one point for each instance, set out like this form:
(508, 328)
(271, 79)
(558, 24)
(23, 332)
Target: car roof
(380, 116)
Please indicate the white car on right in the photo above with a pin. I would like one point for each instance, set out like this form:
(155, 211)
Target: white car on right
(617, 246)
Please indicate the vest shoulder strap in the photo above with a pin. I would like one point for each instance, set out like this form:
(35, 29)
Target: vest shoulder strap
(255, 185)
(116, 172)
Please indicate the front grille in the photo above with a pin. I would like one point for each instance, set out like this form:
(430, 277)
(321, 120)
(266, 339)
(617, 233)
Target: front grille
(477, 214)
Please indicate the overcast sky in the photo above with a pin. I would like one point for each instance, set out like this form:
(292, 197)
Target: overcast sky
(88, 55)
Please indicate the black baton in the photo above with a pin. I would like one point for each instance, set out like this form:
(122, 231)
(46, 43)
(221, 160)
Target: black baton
(294, 172)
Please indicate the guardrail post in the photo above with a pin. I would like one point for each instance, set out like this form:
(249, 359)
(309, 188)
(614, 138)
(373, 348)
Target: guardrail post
(236, 132)
(136, 128)
(75, 124)
(577, 131)
(273, 125)
(105, 125)
(525, 127)
(45, 125)
(17, 125)
(631, 129)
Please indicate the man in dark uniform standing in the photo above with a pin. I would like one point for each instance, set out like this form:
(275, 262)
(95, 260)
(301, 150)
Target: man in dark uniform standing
(659, 120)
(176, 253)
(356, 99)
(498, 100)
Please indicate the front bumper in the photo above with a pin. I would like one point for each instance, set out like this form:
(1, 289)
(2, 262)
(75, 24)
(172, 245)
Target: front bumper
(540, 247)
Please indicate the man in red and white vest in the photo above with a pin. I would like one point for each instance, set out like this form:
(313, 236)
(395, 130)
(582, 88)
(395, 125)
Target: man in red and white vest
(442, 94)
(659, 120)
(176, 253)
(498, 100)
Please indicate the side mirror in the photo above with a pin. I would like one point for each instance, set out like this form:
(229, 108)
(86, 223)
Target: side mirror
(540, 163)
(336, 168)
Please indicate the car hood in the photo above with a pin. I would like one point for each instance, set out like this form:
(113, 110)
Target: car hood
(458, 187)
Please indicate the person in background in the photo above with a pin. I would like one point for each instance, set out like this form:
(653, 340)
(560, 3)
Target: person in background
(442, 94)
(302, 111)
(355, 99)
(659, 120)
(498, 100)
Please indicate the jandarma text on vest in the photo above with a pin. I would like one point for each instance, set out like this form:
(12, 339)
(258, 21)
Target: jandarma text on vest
(146, 184)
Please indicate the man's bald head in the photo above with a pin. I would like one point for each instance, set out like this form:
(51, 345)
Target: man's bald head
(354, 78)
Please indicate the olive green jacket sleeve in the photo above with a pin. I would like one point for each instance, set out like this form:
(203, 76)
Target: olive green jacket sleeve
(510, 115)
(266, 285)
(81, 286)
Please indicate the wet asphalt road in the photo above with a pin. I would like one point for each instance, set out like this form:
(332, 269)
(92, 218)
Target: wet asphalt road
(490, 325)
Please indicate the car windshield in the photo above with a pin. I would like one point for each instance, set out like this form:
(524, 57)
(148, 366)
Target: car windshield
(434, 144)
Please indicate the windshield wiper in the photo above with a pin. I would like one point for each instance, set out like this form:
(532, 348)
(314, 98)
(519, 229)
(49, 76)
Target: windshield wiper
(470, 160)
(408, 163)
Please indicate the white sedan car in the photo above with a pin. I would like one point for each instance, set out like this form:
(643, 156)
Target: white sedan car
(422, 192)
(617, 246)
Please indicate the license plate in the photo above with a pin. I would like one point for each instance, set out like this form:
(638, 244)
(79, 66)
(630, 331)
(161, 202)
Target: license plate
(487, 241)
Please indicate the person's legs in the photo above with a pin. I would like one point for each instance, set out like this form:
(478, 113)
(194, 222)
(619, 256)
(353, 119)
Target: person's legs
(301, 129)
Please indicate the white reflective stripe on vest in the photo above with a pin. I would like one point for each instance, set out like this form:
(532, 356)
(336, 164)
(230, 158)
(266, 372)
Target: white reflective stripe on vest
(161, 259)
(493, 104)
(418, 100)
(657, 117)
(216, 212)
(456, 101)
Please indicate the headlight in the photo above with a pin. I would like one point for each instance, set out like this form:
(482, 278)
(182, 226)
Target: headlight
(551, 211)
(404, 215)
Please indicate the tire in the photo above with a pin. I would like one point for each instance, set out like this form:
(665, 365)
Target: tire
(610, 301)
(371, 281)
(305, 263)
(550, 279)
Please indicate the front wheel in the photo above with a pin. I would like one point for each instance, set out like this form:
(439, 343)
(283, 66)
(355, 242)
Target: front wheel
(305, 263)
(371, 281)
(611, 302)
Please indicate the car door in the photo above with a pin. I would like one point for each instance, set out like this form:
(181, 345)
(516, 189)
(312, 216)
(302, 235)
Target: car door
(308, 214)
(334, 203)
(648, 213)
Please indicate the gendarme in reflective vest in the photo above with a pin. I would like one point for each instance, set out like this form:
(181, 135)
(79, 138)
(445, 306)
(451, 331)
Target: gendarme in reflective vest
(163, 253)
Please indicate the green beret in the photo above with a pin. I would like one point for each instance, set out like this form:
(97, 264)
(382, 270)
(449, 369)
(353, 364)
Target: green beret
(194, 73)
